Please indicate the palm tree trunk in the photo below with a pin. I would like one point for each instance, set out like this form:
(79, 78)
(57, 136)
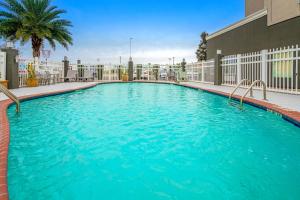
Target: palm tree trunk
(36, 46)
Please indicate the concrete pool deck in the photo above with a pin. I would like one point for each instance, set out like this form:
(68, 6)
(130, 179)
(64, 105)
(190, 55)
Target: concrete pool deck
(46, 89)
(286, 104)
(286, 101)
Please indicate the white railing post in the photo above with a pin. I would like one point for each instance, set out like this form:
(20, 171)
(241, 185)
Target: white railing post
(3, 65)
(223, 70)
(239, 68)
(202, 73)
(264, 64)
(297, 66)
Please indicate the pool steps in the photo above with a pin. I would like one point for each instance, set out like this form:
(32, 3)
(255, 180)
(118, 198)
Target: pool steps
(250, 89)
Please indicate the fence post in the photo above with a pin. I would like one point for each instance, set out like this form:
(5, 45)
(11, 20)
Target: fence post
(12, 67)
(139, 72)
(130, 70)
(119, 73)
(79, 69)
(202, 71)
(264, 64)
(218, 68)
(239, 68)
(66, 66)
(297, 75)
(101, 72)
(98, 72)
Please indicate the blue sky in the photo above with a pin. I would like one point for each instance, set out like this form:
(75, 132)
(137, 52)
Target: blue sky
(161, 28)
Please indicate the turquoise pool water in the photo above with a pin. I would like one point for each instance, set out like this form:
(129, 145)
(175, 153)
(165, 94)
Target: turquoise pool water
(150, 142)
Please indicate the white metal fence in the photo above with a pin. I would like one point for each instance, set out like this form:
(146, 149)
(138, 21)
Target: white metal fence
(201, 71)
(229, 70)
(116, 72)
(194, 72)
(46, 72)
(157, 72)
(278, 68)
(99, 72)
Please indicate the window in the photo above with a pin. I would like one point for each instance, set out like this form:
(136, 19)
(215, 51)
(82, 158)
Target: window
(282, 65)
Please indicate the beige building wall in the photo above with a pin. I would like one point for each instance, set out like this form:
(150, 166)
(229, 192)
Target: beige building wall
(252, 6)
(281, 10)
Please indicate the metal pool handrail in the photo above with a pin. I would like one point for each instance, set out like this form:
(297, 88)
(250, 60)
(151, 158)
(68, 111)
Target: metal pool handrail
(11, 96)
(238, 86)
(250, 89)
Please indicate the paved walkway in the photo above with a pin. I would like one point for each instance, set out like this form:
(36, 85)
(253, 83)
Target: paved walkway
(287, 101)
(46, 89)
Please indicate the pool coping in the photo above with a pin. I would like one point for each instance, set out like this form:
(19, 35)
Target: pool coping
(289, 115)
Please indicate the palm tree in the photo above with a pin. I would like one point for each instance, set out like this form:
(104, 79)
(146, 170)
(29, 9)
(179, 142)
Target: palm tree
(35, 20)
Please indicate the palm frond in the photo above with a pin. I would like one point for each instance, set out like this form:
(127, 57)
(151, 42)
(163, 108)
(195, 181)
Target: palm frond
(13, 6)
(37, 20)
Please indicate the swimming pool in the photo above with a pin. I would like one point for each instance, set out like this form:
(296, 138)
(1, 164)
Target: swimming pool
(150, 141)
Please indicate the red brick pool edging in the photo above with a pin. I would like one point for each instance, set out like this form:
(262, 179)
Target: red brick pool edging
(289, 115)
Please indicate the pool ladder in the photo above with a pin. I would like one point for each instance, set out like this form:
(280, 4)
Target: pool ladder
(250, 89)
(11, 96)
